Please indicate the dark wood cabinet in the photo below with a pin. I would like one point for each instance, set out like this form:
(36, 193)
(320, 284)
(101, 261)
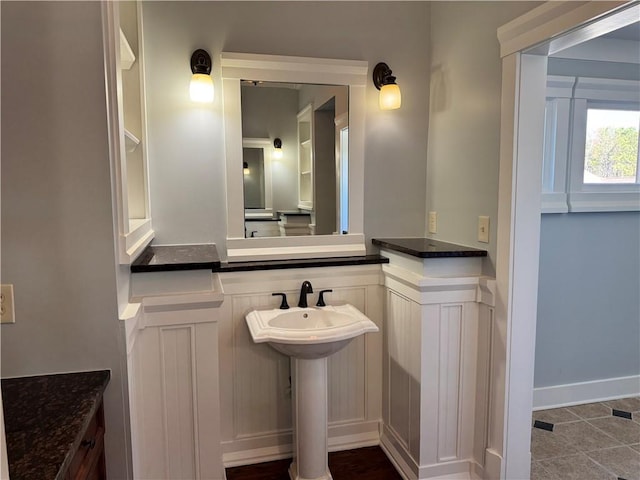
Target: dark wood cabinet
(88, 461)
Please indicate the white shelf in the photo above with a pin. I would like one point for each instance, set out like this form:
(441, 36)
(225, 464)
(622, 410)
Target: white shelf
(131, 142)
(127, 58)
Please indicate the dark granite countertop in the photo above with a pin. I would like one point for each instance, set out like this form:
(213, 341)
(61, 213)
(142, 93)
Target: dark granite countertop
(205, 257)
(45, 418)
(294, 213)
(428, 248)
(167, 258)
(300, 263)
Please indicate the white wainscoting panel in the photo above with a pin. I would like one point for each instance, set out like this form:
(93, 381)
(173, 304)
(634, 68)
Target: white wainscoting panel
(176, 360)
(173, 387)
(485, 323)
(449, 391)
(262, 389)
(436, 372)
(255, 379)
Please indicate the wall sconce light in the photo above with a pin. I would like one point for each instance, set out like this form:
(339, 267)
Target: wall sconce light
(390, 97)
(201, 88)
(277, 148)
(245, 168)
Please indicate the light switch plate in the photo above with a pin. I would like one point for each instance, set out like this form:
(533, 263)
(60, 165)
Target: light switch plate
(483, 229)
(7, 311)
(433, 222)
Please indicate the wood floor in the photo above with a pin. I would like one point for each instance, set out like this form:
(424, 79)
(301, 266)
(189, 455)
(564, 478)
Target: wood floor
(368, 463)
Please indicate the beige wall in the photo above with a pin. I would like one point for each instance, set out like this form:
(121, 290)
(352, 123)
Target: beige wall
(57, 237)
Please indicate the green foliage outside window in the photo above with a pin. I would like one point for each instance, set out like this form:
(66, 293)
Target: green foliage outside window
(612, 152)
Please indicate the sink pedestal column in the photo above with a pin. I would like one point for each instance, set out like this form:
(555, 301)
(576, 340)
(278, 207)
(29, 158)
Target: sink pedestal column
(310, 417)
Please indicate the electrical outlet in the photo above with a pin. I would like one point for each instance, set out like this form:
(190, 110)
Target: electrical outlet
(483, 229)
(7, 312)
(433, 222)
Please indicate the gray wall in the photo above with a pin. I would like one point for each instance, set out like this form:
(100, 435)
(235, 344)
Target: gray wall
(464, 118)
(588, 298)
(186, 145)
(57, 229)
(589, 283)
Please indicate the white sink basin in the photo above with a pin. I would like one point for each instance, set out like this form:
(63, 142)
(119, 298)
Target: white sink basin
(308, 332)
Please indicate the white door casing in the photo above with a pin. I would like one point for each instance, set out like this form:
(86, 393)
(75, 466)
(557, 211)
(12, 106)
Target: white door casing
(521, 140)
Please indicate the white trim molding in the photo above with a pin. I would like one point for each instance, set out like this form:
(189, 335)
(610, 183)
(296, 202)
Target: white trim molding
(585, 197)
(132, 234)
(585, 392)
(546, 24)
(274, 68)
(568, 101)
(524, 44)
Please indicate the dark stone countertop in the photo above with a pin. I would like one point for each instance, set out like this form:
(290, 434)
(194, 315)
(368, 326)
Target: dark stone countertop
(294, 213)
(428, 248)
(167, 258)
(45, 418)
(300, 263)
(261, 219)
(205, 257)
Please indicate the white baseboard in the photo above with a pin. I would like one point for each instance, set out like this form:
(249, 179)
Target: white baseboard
(493, 465)
(266, 448)
(409, 470)
(585, 392)
(398, 456)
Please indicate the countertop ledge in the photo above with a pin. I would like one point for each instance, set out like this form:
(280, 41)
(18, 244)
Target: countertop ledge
(428, 247)
(300, 263)
(168, 258)
(45, 419)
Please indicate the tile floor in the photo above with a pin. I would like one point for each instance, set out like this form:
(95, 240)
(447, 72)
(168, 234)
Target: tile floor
(588, 442)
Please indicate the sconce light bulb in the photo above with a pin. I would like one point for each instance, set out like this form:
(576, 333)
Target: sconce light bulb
(201, 88)
(277, 153)
(390, 97)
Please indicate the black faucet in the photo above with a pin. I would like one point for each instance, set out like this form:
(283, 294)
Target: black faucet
(321, 298)
(304, 290)
(283, 305)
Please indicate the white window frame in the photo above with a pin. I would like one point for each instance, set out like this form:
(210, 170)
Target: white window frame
(568, 99)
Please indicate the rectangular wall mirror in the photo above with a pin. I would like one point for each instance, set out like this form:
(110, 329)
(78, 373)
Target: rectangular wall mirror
(311, 123)
(315, 108)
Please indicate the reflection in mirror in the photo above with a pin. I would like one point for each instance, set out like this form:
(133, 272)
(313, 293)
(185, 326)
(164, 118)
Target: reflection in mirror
(253, 170)
(257, 188)
(310, 182)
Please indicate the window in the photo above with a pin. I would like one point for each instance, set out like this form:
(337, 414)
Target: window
(611, 147)
(591, 161)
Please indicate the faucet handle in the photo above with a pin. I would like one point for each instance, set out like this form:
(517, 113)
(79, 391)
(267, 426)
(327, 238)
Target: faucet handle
(284, 305)
(321, 298)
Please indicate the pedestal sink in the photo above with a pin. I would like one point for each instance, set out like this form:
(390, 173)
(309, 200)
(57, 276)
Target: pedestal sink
(309, 336)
